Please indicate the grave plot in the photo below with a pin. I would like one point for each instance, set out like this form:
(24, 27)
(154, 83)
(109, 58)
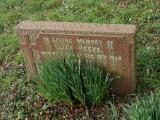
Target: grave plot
(111, 45)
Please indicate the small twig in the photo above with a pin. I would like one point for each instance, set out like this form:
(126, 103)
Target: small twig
(87, 112)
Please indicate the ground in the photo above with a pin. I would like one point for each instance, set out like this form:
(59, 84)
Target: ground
(18, 98)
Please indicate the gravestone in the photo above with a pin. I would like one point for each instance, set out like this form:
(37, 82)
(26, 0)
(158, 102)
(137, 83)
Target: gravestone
(112, 45)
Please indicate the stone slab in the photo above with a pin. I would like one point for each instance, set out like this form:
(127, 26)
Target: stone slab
(112, 45)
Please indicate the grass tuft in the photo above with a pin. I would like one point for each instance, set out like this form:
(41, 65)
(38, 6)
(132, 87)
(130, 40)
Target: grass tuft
(146, 109)
(71, 79)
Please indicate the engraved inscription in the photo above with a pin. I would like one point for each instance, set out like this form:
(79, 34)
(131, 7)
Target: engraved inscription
(91, 49)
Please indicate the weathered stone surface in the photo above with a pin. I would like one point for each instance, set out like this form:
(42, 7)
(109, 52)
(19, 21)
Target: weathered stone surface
(112, 45)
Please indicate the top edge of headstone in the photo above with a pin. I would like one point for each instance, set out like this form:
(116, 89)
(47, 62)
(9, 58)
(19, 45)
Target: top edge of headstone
(77, 27)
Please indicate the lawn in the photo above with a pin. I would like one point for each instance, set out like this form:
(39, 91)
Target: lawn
(18, 97)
